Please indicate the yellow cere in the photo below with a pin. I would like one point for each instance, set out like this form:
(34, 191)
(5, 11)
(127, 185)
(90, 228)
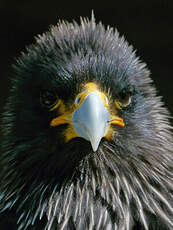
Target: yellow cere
(89, 88)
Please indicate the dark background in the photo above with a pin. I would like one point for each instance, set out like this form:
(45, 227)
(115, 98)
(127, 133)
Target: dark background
(147, 24)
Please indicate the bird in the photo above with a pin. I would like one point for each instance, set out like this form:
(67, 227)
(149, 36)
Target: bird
(86, 139)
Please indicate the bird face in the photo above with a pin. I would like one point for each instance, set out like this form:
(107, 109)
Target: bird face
(76, 96)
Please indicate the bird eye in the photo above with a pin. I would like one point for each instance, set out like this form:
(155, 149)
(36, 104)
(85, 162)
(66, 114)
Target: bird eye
(48, 98)
(77, 100)
(123, 101)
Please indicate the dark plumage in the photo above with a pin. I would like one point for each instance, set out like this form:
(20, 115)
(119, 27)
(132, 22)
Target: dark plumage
(49, 183)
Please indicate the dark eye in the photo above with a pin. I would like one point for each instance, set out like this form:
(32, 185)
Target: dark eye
(123, 100)
(48, 98)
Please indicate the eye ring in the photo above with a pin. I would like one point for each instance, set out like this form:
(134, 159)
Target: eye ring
(123, 101)
(48, 98)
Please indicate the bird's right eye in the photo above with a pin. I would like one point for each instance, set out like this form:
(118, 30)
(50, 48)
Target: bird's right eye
(48, 98)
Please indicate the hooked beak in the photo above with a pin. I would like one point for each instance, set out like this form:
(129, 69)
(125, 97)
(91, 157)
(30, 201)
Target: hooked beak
(90, 119)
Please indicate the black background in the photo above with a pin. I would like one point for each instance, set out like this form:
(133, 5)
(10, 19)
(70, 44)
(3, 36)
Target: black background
(146, 24)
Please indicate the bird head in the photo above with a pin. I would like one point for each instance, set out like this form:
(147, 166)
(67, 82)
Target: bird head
(81, 104)
(74, 94)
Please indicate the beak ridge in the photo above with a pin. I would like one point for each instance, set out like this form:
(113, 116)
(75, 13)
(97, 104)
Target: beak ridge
(91, 119)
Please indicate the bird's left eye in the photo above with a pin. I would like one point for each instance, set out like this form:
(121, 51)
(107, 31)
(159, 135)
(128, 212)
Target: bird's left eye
(123, 101)
(48, 98)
